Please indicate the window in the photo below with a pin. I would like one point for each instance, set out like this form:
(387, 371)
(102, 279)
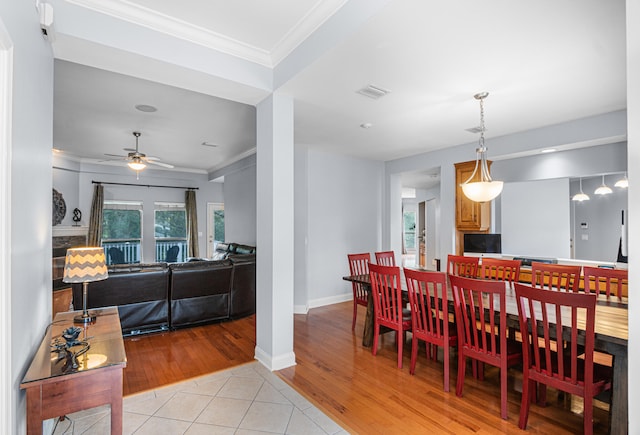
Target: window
(122, 231)
(170, 229)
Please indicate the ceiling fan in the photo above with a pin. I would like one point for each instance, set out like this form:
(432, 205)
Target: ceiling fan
(137, 160)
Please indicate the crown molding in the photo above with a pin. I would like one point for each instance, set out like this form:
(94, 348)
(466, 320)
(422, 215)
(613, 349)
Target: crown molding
(142, 16)
(135, 14)
(304, 28)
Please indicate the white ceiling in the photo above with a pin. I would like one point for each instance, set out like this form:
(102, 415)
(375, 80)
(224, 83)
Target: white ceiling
(542, 62)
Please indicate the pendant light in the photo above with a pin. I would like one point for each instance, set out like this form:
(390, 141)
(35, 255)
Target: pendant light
(581, 196)
(603, 189)
(623, 182)
(485, 189)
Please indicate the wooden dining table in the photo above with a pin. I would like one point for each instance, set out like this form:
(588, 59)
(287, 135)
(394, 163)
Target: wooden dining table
(611, 336)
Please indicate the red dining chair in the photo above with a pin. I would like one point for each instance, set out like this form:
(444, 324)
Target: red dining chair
(428, 302)
(500, 270)
(597, 279)
(358, 265)
(461, 265)
(542, 313)
(386, 258)
(559, 277)
(482, 329)
(388, 305)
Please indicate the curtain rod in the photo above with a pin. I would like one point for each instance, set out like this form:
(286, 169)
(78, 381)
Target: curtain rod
(144, 185)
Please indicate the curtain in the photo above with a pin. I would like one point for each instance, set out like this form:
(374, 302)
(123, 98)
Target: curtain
(192, 223)
(94, 236)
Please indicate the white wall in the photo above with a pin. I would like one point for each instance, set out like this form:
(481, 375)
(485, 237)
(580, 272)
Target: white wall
(535, 218)
(30, 212)
(344, 217)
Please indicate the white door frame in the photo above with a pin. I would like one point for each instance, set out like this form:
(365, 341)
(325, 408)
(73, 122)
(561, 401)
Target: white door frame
(211, 207)
(6, 107)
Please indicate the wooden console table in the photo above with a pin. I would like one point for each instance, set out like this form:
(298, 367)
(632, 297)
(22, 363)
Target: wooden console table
(54, 392)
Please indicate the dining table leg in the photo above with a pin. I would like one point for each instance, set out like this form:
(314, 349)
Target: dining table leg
(367, 336)
(619, 409)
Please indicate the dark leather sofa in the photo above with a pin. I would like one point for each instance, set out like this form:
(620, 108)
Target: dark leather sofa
(200, 292)
(156, 297)
(141, 292)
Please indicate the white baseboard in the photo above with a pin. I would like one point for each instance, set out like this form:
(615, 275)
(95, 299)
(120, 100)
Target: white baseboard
(275, 363)
(330, 300)
(300, 309)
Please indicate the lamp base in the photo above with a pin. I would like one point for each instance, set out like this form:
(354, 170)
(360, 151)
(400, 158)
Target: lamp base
(85, 318)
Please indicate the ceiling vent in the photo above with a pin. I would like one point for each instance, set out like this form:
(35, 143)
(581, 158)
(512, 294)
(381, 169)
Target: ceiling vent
(373, 92)
(475, 130)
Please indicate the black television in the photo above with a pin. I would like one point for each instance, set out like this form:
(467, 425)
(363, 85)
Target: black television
(483, 243)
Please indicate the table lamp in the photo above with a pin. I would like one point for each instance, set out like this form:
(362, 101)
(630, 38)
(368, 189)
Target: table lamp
(84, 265)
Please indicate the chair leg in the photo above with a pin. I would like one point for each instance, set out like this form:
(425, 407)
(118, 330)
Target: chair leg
(400, 346)
(414, 354)
(376, 335)
(503, 391)
(460, 382)
(445, 352)
(525, 403)
(588, 414)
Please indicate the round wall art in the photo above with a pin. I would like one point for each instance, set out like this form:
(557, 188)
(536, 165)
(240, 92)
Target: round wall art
(59, 207)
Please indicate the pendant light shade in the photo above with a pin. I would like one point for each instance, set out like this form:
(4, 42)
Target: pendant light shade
(486, 189)
(623, 182)
(580, 196)
(603, 189)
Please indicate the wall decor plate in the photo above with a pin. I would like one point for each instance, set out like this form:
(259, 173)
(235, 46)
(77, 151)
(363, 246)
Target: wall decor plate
(59, 207)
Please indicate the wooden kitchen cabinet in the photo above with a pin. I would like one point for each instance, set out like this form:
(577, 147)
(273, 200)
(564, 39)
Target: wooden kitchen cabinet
(470, 215)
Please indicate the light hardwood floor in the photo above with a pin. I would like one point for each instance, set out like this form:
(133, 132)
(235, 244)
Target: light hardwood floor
(365, 394)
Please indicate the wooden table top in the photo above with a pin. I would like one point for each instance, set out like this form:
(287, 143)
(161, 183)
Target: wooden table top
(106, 347)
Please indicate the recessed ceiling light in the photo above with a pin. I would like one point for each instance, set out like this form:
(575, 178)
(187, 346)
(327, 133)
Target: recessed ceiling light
(56, 150)
(548, 150)
(366, 125)
(146, 108)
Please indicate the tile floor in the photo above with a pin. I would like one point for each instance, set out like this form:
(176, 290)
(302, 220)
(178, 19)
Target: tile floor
(243, 400)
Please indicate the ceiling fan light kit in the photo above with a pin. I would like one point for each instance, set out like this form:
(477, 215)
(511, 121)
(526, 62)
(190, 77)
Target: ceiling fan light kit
(486, 189)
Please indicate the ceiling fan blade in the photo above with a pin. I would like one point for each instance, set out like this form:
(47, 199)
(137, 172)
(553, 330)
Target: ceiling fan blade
(164, 165)
(115, 155)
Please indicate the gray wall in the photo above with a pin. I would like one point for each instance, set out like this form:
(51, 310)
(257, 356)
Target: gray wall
(344, 209)
(240, 206)
(602, 214)
(30, 255)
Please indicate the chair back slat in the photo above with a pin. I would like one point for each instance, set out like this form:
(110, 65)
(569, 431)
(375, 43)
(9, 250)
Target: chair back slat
(500, 270)
(481, 323)
(429, 316)
(461, 265)
(598, 280)
(558, 277)
(387, 294)
(359, 265)
(385, 258)
(559, 316)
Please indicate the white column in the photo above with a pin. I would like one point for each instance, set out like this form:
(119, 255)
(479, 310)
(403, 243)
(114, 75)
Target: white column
(275, 229)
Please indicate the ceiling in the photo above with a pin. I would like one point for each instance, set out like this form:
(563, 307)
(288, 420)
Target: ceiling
(543, 63)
